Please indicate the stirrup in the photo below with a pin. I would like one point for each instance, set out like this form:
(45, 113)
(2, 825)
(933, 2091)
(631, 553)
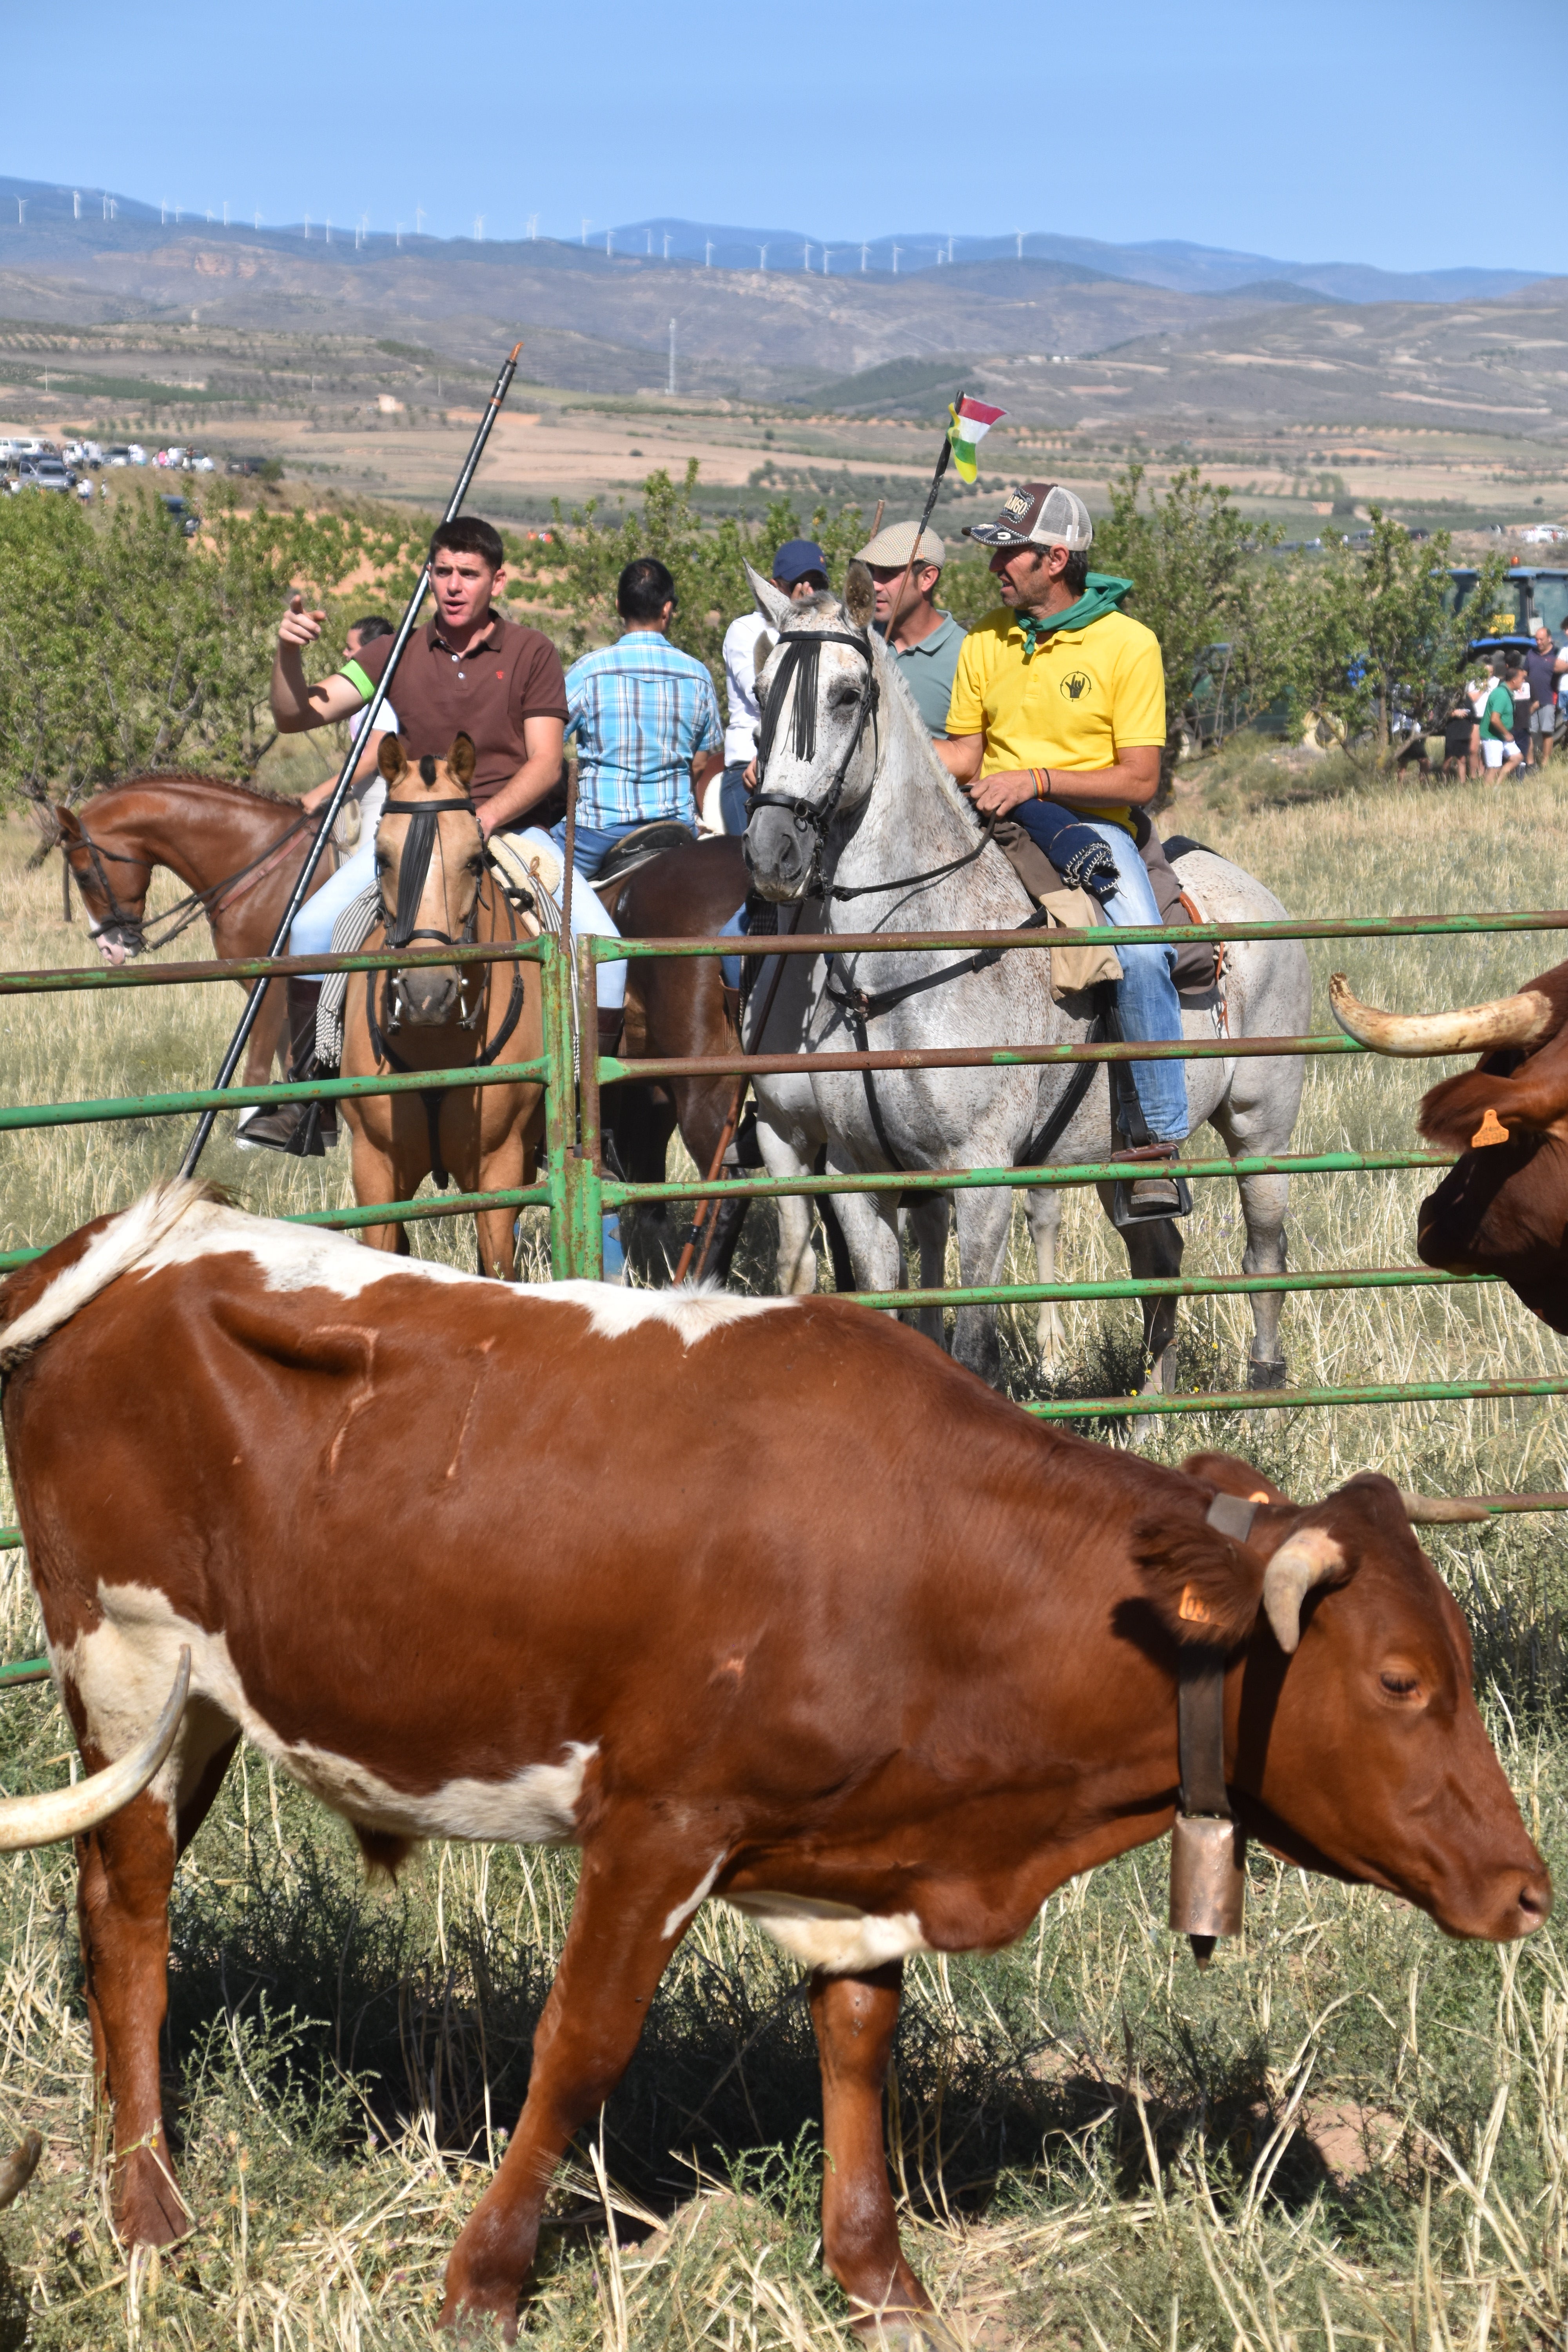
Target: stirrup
(1125, 1211)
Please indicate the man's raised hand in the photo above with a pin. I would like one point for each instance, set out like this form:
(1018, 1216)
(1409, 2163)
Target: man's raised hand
(297, 626)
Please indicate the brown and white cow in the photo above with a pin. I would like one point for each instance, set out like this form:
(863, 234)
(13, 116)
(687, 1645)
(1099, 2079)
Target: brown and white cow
(760, 1600)
(1502, 1208)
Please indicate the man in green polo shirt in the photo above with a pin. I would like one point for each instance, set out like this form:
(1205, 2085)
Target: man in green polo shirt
(1060, 694)
(924, 638)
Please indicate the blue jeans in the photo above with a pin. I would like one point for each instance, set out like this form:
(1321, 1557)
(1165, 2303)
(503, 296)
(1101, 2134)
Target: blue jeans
(1146, 998)
(734, 799)
(593, 841)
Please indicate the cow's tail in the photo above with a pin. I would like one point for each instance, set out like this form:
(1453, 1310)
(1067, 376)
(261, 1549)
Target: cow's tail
(119, 1248)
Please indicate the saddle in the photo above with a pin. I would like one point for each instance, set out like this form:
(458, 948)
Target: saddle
(643, 846)
(638, 848)
(1199, 963)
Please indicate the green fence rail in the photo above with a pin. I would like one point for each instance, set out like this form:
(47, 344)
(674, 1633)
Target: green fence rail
(578, 1193)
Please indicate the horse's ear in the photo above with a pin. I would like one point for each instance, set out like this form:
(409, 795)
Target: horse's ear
(462, 759)
(762, 651)
(390, 760)
(770, 601)
(859, 594)
(69, 830)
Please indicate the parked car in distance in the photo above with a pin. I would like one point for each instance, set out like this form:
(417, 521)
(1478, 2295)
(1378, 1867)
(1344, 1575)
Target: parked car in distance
(269, 467)
(117, 453)
(50, 473)
(181, 514)
(1543, 534)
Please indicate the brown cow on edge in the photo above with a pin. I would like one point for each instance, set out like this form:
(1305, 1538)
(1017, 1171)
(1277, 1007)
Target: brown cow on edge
(765, 1600)
(1502, 1209)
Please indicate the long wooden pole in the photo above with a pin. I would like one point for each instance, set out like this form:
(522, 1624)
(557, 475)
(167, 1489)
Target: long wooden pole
(247, 1019)
(941, 466)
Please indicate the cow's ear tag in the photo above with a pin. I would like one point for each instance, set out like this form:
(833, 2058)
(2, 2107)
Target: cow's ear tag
(1191, 1610)
(1490, 1130)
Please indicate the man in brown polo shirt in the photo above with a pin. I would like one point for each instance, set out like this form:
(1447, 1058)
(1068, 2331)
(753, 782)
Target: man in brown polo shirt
(466, 671)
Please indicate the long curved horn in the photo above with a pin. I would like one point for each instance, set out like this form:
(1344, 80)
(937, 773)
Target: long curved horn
(1521, 1020)
(1440, 1510)
(1310, 1557)
(71, 1813)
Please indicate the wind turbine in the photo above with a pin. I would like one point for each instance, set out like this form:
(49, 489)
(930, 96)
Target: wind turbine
(763, 259)
(76, 203)
(533, 229)
(897, 251)
(479, 229)
(667, 244)
(708, 254)
(1019, 234)
(225, 212)
(864, 249)
(587, 224)
(827, 257)
(418, 220)
(398, 233)
(805, 259)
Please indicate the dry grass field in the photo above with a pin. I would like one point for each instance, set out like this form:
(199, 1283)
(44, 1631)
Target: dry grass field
(1350, 2133)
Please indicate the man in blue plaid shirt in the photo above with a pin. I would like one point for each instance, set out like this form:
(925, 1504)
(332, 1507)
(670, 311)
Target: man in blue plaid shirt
(645, 720)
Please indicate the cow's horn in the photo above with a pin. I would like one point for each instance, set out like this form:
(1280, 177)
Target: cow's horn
(71, 1813)
(1521, 1020)
(1441, 1510)
(1310, 1557)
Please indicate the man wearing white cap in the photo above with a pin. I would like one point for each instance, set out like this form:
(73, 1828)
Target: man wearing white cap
(924, 638)
(1061, 696)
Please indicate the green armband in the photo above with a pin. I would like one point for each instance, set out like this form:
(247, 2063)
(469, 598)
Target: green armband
(357, 679)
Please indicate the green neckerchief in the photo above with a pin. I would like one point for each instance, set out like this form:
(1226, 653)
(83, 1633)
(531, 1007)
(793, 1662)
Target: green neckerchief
(1102, 593)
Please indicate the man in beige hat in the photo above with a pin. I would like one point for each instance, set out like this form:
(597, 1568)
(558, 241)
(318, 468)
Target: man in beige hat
(924, 638)
(1061, 696)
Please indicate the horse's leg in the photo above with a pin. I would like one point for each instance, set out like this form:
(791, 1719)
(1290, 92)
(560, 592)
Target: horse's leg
(1153, 1252)
(490, 1156)
(983, 1215)
(634, 1898)
(930, 1217)
(869, 1224)
(1249, 1123)
(375, 1163)
(786, 1153)
(1043, 1207)
(266, 1038)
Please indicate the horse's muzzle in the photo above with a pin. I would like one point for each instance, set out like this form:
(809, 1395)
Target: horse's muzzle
(113, 946)
(780, 854)
(428, 997)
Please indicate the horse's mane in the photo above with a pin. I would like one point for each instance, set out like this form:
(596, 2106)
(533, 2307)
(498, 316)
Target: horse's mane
(188, 776)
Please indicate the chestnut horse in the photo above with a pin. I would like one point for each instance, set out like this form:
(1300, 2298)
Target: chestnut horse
(237, 850)
(436, 890)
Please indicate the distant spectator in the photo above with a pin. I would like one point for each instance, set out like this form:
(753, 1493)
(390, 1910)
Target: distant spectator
(924, 639)
(1498, 750)
(800, 569)
(1518, 687)
(1540, 666)
(1461, 739)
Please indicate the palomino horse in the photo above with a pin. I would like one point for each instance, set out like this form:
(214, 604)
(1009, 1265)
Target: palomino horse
(858, 807)
(236, 849)
(432, 876)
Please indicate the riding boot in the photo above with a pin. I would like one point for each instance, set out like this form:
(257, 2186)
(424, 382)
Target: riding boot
(305, 1131)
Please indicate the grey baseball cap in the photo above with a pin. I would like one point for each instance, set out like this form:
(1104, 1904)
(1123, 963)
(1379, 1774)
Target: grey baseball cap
(1037, 514)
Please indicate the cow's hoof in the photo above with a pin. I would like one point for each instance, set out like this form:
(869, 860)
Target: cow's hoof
(1266, 1372)
(907, 2331)
(148, 2208)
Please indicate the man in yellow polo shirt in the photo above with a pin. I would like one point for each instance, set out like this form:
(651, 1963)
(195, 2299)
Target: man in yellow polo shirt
(1061, 696)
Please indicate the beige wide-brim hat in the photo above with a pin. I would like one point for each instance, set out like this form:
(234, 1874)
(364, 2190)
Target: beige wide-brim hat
(894, 544)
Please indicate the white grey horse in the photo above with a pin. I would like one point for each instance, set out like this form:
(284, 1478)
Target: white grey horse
(858, 802)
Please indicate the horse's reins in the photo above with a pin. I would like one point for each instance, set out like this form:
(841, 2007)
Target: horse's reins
(184, 911)
(401, 929)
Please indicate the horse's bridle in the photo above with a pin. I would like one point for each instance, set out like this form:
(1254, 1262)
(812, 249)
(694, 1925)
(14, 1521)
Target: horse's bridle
(401, 932)
(800, 664)
(132, 929)
(816, 816)
(413, 872)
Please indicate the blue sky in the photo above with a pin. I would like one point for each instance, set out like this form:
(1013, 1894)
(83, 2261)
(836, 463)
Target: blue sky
(1352, 133)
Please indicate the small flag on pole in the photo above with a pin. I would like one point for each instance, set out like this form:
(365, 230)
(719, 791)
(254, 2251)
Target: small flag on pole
(972, 421)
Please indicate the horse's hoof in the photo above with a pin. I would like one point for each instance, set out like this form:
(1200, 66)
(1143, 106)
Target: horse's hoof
(1267, 1373)
(907, 2331)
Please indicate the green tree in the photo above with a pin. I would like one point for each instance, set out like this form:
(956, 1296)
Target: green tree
(574, 575)
(1199, 580)
(125, 647)
(1373, 631)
